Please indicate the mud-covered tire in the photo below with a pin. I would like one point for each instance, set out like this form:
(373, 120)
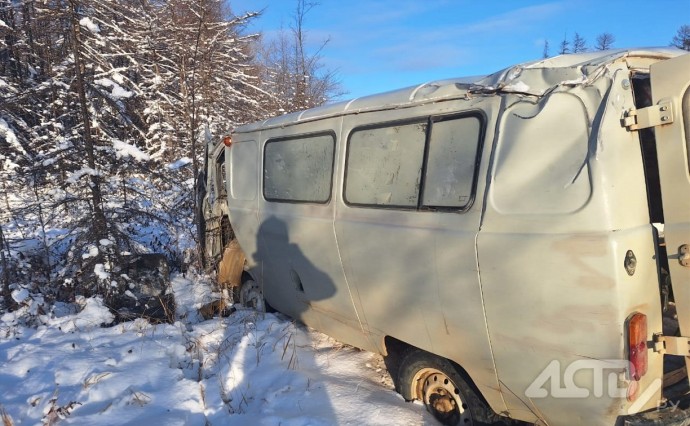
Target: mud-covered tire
(251, 296)
(441, 387)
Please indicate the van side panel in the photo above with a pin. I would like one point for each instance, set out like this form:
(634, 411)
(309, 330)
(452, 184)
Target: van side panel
(560, 218)
(415, 272)
(296, 243)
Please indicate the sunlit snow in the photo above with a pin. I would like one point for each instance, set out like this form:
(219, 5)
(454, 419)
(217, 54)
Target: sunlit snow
(117, 92)
(101, 273)
(123, 149)
(248, 368)
(20, 295)
(179, 163)
(9, 135)
(75, 176)
(89, 24)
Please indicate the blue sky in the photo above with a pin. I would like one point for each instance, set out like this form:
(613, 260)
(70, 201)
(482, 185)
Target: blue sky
(381, 45)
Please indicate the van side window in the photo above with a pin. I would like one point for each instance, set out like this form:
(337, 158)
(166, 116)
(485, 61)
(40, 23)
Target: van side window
(451, 162)
(220, 175)
(384, 165)
(429, 164)
(299, 169)
(244, 170)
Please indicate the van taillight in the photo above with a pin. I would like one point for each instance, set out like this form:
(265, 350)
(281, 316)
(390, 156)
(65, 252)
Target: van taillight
(637, 345)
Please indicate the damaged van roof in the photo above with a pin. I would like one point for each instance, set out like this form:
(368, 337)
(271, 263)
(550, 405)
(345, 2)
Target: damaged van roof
(534, 78)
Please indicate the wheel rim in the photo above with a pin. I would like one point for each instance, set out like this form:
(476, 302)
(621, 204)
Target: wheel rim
(251, 296)
(441, 397)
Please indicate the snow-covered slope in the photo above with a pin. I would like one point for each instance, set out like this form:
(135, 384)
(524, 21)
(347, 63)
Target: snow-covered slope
(245, 369)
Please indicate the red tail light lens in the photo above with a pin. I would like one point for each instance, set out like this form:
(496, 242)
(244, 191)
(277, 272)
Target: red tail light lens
(637, 345)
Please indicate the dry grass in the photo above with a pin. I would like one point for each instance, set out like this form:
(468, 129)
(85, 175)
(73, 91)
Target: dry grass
(6, 419)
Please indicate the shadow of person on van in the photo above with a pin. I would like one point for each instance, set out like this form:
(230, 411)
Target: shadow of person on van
(292, 284)
(287, 254)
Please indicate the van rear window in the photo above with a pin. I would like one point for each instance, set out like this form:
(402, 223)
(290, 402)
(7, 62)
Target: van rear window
(451, 164)
(299, 169)
(384, 165)
(428, 164)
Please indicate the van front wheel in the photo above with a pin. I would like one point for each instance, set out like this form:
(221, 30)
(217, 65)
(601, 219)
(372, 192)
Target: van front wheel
(435, 381)
(251, 296)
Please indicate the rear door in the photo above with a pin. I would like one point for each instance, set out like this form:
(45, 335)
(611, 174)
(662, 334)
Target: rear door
(671, 97)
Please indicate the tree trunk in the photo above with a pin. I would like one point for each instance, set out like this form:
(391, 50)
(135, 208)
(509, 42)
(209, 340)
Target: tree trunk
(6, 293)
(99, 224)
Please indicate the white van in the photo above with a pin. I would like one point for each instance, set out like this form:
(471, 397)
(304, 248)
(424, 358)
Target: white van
(508, 241)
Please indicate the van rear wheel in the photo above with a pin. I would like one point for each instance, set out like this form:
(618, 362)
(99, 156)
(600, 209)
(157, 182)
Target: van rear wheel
(437, 383)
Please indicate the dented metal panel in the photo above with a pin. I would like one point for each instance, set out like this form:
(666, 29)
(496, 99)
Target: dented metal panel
(541, 164)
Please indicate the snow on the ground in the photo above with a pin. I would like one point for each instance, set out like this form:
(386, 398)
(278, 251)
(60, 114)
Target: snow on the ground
(88, 23)
(246, 369)
(123, 149)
